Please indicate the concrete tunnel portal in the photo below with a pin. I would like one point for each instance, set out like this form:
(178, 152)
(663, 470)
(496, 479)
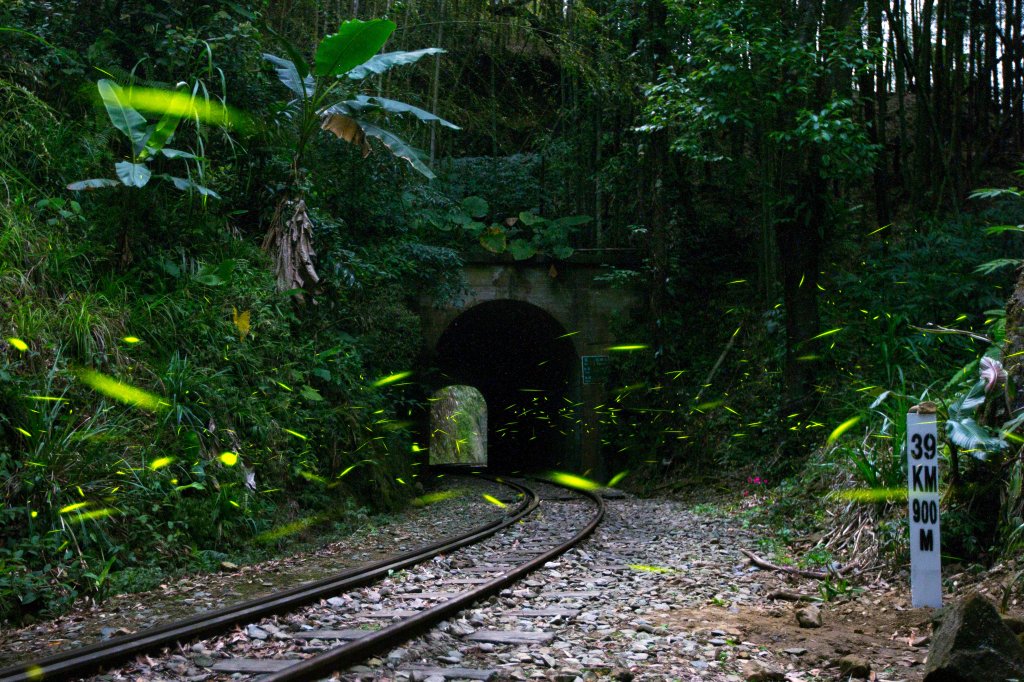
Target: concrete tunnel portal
(526, 366)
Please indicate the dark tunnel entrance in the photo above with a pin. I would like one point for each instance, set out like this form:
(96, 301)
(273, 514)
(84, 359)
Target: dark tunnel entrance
(524, 363)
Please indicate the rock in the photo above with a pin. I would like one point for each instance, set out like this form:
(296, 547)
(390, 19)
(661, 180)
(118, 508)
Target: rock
(256, 632)
(228, 566)
(972, 644)
(202, 660)
(759, 671)
(809, 616)
(854, 666)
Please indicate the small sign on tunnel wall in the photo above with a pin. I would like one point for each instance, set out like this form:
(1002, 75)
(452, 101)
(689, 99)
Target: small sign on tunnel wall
(595, 368)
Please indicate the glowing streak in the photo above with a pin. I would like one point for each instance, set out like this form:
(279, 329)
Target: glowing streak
(229, 458)
(651, 569)
(112, 388)
(296, 434)
(391, 378)
(362, 461)
(631, 347)
(431, 498)
(822, 335)
(879, 229)
(842, 428)
(180, 104)
(73, 507)
(565, 336)
(160, 463)
(288, 529)
(23, 432)
(18, 343)
(617, 478)
(48, 398)
(872, 494)
(573, 481)
(494, 500)
(95, 514)
(131, 339)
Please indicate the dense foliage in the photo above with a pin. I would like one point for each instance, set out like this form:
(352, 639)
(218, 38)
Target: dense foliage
(216, 224)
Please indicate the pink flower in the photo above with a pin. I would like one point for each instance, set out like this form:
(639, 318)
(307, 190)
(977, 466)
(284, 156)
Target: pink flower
(992, 372)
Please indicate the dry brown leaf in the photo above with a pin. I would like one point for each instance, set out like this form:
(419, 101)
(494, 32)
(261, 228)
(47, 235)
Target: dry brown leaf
(347, 129)
(241, 320)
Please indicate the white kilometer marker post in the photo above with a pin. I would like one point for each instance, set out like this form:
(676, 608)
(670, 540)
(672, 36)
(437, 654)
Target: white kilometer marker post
(923, 475)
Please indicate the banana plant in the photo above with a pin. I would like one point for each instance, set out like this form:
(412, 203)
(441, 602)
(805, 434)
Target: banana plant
(148, 140)
(325, 98)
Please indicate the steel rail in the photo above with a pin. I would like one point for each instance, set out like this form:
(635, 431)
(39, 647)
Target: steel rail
(388, 637)
(95, 657)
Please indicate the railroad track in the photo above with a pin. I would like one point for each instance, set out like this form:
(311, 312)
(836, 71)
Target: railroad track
(347, 618)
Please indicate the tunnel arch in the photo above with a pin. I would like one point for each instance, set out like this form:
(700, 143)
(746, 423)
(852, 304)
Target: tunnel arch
(524, 362)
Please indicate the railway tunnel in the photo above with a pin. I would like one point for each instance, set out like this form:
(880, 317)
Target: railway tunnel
(525, 365)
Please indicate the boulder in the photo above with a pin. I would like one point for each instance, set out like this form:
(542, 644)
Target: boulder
(809, 617)
(972, 644)
(759, 671)
(854, 666)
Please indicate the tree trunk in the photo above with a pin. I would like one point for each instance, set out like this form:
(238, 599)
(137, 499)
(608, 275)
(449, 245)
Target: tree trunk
(799, 238)
(1013, 349)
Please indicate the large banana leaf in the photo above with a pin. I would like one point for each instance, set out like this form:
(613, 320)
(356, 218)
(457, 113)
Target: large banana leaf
(971, 436)
(93, 183)
(177, 154)
(125, 118)
(349, 107)
(348, 129)
(355, 42)
(289, 75)
(398, 147)
(132, 174)
(159, 134)
(396, 107)
(184, 184)
(379, 63)
(965, 403)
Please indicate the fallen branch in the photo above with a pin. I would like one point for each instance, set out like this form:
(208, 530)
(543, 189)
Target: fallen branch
(803, 572)
(932, 328)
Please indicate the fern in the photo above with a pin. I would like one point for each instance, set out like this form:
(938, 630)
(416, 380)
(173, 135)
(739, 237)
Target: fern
(998, 264)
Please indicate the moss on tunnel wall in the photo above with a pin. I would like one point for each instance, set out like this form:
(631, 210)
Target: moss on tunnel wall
(458, 427)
